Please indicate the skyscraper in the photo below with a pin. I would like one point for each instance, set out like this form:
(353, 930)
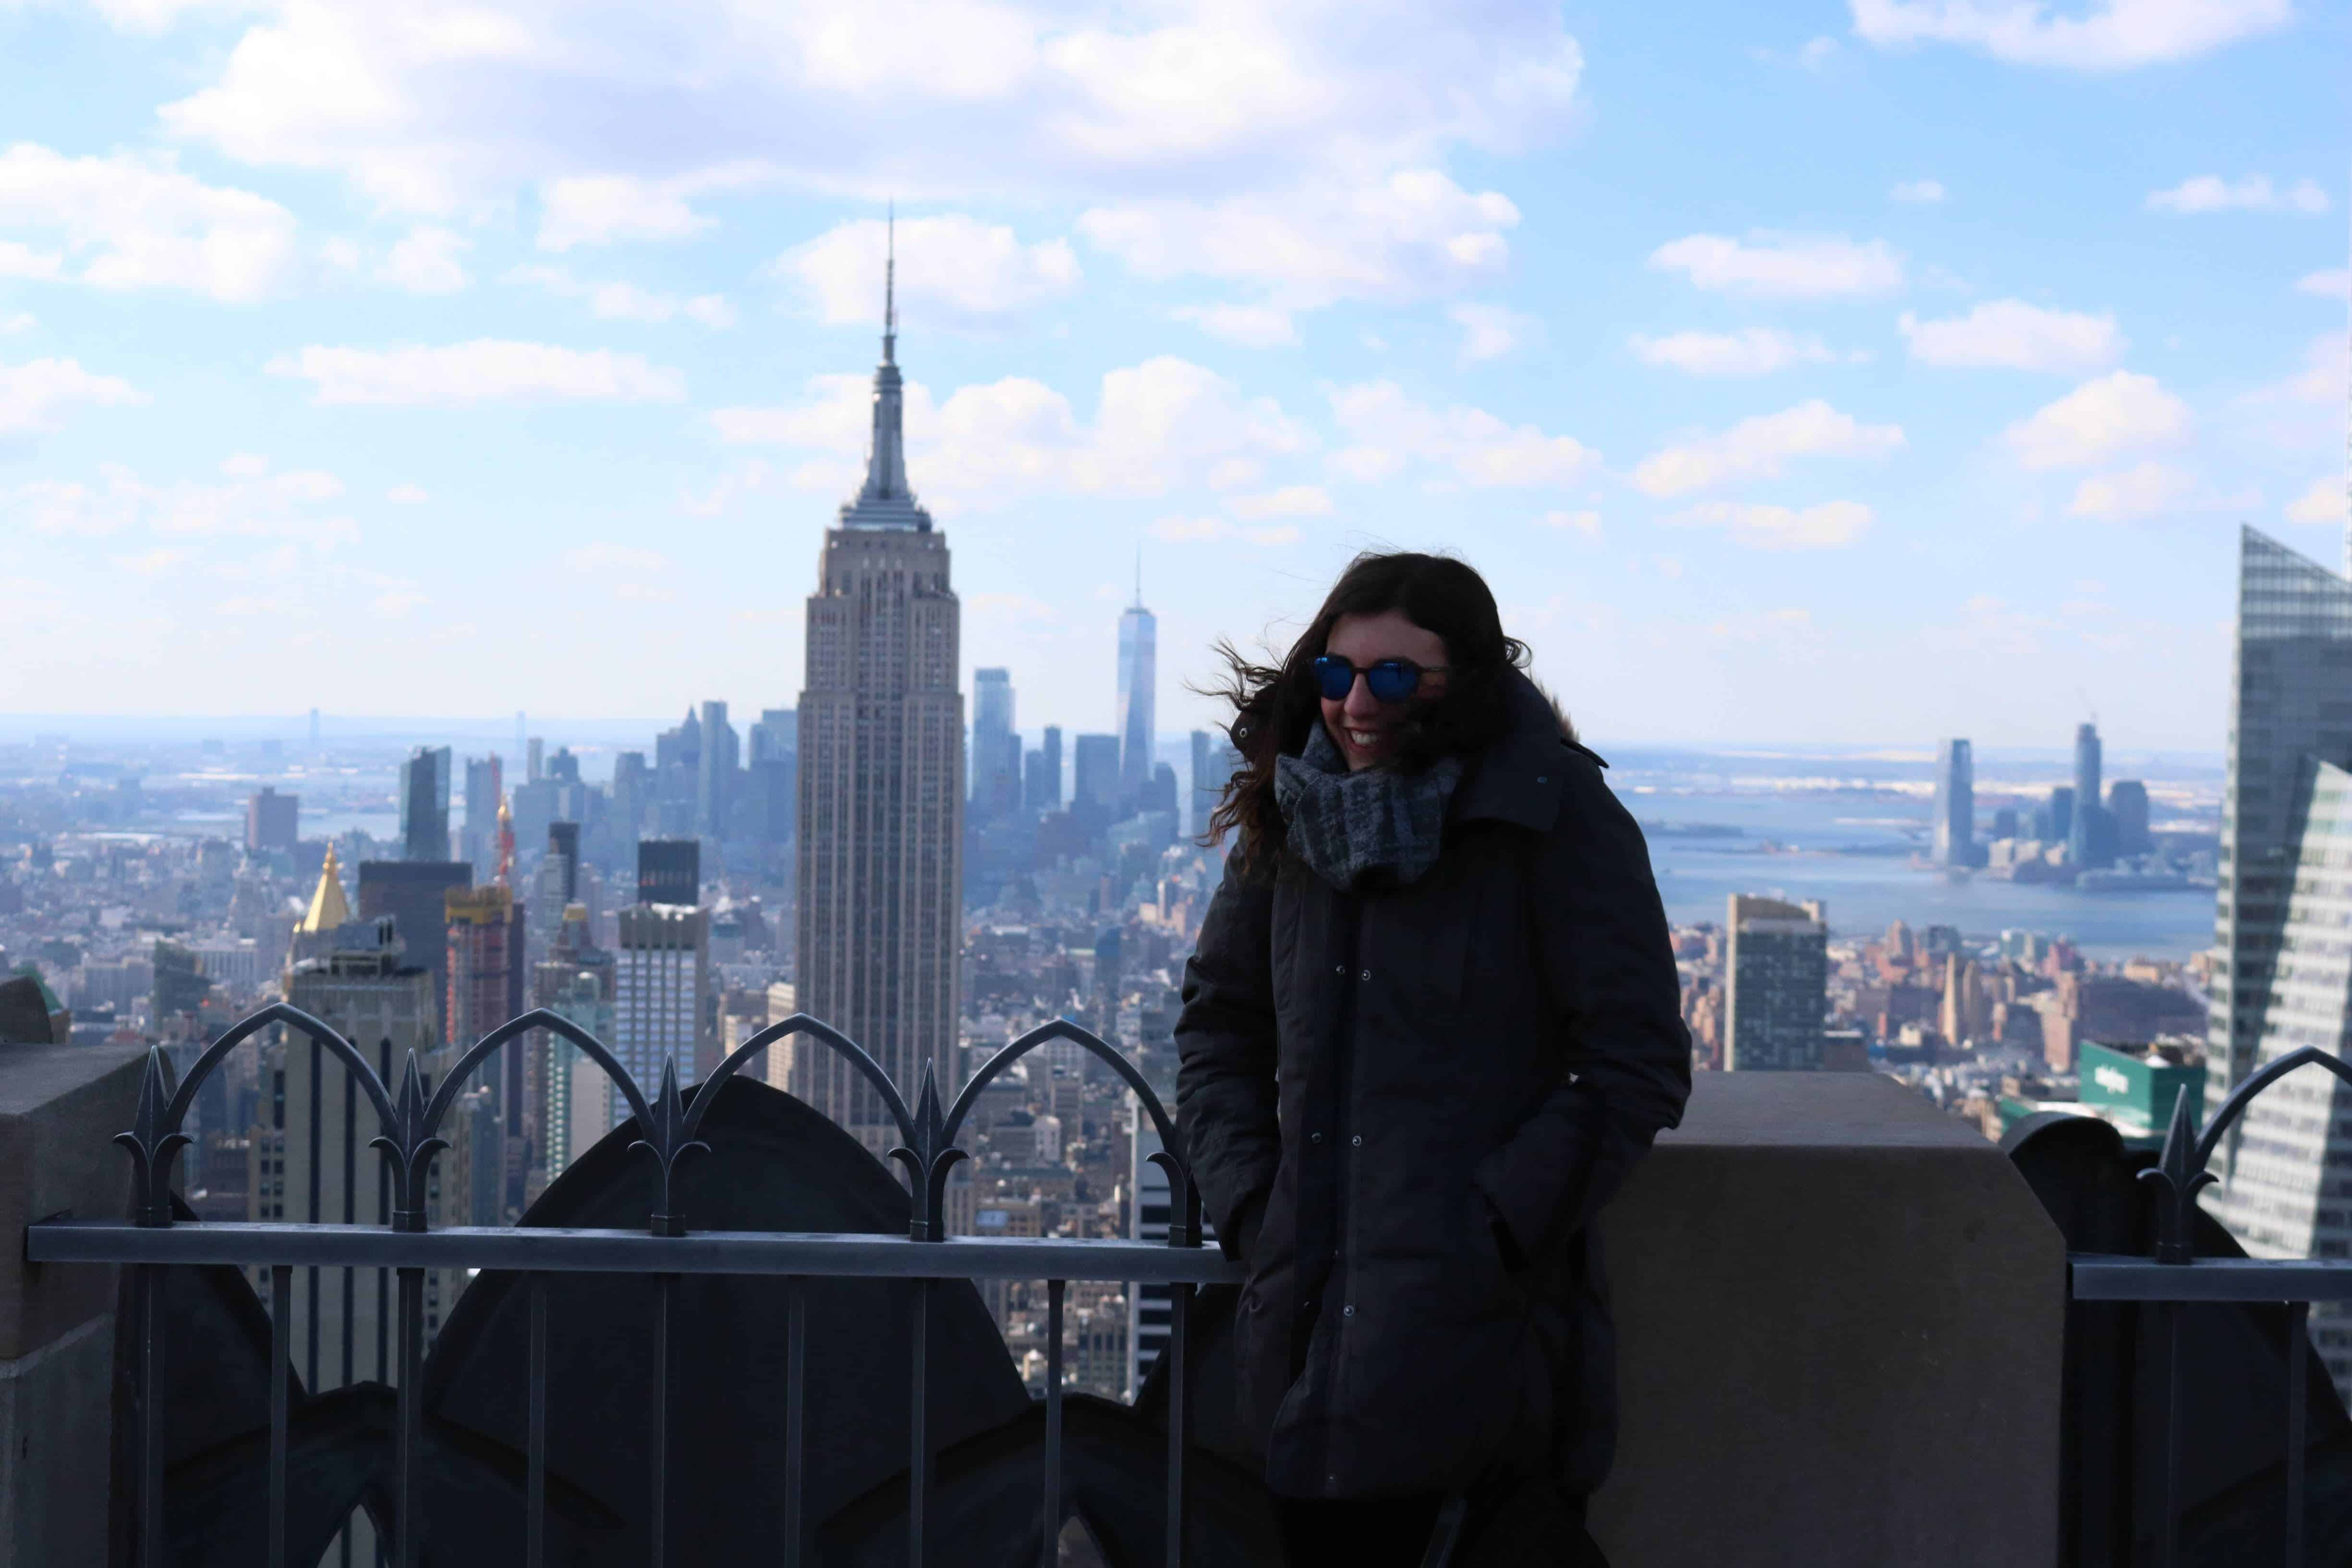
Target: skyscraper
(414, 894)
(995, 746)
(2083, 834)
(2288, 715)
(485, 989)
(1041, 786)
(1777, 996)
(1139, 678)
(1095, 789)
(715, 787)
(477, 840)
(270, 820)
(425, 804)
(572, 1093)
(662, 1000)
(1956, 804)
(670, 872)
(2127, 811)
(880, 867)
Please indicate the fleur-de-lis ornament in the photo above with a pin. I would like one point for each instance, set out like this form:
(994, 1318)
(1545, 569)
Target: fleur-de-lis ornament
(410, 1142)
(667, 1135)
(2182, 1172)
(152, 1145)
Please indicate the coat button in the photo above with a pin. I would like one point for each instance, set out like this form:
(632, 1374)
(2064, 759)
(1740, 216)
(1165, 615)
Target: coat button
(1367, 975)
(1349, 1310)
(1357, 1141)
(1314, 1137)
(1339, 969)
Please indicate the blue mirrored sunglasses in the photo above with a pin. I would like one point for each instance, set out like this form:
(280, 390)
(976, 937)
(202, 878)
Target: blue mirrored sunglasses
(1389, 679)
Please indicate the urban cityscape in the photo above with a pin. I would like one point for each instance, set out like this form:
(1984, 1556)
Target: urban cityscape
(2006, 906)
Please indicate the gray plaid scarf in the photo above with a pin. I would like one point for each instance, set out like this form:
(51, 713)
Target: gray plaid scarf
(1376, 827)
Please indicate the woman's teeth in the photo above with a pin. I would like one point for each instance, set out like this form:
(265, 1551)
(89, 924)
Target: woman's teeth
(1363, 740)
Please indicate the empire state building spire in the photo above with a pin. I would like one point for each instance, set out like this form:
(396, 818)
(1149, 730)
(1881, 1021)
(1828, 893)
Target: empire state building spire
(886, 500)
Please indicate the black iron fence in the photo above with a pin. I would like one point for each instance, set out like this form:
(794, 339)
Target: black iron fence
(2176, 1278)
(668, 1250)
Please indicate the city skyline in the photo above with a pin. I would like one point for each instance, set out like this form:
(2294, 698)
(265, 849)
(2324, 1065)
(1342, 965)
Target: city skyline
(1745, 448)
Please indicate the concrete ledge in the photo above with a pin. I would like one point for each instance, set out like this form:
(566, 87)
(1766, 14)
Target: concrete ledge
(60, 1107)
(1841, 1317)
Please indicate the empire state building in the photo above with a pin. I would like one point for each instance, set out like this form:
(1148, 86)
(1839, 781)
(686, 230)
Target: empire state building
(880, 874)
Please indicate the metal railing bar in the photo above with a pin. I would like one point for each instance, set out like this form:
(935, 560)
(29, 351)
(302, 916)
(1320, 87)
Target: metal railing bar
(535, 1476)
(151, 1416)
(2168, 1530)
(553, 1251)
(2298, 1334)
(2107, 1277)
(664, 1296)
(1053, 1513)
(1180, 1326)
(282, 1337)
(918, 1458)
(795, 1412)
(411, 1398)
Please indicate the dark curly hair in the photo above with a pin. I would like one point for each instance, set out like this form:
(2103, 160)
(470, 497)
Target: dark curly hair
(1274, 705)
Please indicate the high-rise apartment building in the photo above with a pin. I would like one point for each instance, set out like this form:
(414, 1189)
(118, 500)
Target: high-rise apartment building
(880, 863)
(995, 746)
(574, 1107)
(663, 1004)
(670, 872)
(414, 894)
(425, 804)
(2282, 908)
(1956, 804)
(270, 821)
(1776, 996)
(1138, 680)
(485, 989)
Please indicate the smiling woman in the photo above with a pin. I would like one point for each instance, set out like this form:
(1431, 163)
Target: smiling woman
(1431, 1022)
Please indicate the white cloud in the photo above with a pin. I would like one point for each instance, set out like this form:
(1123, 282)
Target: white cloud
(134, 221)
(33, 394)
(1783, 267)
(2097, 419)
(1209, 530)
(407, 495)
(488, 370)
(1387, 429)
(598, 209)
(1587, 523)
(1757, 351)
(1159, 426)
(1824, 526)
(394, 604)
(1489, 331)
(440, 106)
(2141, 490)
(1409, 237)
(2333, 283)
(151, 562)
(1759, 448)
(1290, 501)
(2321, 380)
(1249, 326)
(951, 267)
(1818, 52)
(2010, 334)
(605, 556)
(22, 321)
(1917, 193)
(426, 262)
(2108, 35)
(2254, 193)
(250, 503)
(613, 302)
(2322, 503)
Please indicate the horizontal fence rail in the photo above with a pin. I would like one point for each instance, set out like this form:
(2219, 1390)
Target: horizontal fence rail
(669, 1125)
(2176, 1277)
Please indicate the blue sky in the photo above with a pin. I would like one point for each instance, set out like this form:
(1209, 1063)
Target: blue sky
(1812, 373)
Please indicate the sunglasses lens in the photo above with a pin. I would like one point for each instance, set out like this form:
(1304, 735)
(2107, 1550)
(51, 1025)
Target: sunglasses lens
(1391, 681)
(1334, 677)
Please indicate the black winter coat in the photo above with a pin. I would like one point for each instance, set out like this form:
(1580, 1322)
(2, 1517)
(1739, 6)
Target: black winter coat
(1404, 1109)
